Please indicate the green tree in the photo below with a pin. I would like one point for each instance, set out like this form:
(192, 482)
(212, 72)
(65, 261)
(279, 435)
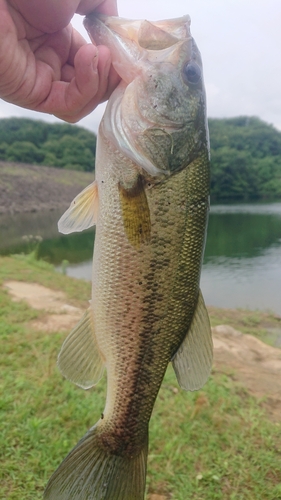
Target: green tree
(70, 152)
(3, 150)
(25, 152)
(245, 159)
(59, 145)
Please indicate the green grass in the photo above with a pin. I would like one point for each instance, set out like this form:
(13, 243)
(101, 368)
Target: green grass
(215, 444)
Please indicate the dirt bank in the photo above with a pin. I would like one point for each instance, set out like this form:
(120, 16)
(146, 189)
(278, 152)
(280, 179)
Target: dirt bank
(249, 361)
(28, 188)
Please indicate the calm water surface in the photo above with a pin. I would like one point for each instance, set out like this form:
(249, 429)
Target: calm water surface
(242, 264)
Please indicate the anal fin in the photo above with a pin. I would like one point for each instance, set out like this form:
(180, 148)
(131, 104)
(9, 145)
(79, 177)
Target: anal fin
(79, 359)
(83, 211)
(193, 360)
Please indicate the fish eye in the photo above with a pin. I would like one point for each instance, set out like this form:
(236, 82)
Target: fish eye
(192, 73)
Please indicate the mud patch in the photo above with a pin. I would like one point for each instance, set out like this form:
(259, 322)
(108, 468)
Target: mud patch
(257, 366)
(56, 322)
(61, 315)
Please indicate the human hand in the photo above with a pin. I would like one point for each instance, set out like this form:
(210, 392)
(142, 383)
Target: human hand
(46, 65)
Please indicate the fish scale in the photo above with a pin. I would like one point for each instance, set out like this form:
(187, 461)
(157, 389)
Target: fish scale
(150, 203)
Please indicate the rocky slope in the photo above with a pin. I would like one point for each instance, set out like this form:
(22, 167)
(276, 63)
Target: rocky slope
(29, 188)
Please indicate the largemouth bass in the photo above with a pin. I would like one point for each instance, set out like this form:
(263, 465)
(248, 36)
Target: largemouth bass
(150, 203)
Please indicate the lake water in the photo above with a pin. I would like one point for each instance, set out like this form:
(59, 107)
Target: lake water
(242, 264)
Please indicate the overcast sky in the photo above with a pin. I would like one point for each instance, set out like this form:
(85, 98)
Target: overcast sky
(240, 43)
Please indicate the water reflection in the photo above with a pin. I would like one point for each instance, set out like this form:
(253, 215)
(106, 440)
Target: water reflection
(242, 231)
(242, 264)
(14, 227)
(243, 282)
(54, 248)
(79, 271)
(74, 248)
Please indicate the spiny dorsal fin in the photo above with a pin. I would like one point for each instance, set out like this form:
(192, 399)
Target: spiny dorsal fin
(80, 359)
(83, 211)
(193, 360)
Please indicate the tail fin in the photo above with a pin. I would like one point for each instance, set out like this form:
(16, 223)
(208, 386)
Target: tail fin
(90, 473)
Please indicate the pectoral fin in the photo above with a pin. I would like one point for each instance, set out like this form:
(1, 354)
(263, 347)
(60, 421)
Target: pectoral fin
(135, 212)
(193, 360)
(79, 359)
(82, 212)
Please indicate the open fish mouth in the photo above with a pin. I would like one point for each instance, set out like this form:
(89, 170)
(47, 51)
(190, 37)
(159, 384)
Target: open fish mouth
(136, 44)
(151, 58)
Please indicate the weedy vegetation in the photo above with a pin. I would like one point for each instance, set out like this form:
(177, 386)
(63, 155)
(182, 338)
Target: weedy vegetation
(215, 444)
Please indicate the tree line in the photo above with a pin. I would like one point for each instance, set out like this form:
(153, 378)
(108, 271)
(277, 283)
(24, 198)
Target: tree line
(245, 159)
(245, 153)
(53, 144)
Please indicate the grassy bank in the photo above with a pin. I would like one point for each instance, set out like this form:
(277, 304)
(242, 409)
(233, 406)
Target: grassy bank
(215, 444)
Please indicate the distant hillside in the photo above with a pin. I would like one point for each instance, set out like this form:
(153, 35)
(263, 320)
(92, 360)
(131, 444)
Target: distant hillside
(29, 188)
(245, 153)
(53, 144)
(245, 159)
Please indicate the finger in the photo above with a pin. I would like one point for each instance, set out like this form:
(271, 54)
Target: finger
(77, 41)
(67, 73)
(66, 100)
(108, 7)
(113, 80)
(86, 81)
(47, 16)
(108, 78)
(95, 93)
(110, 82)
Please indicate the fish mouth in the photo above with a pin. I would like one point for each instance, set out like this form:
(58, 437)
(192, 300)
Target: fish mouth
(136, 43)
(149, 57)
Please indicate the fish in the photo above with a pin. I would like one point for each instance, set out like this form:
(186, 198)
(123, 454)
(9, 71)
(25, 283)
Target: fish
(150, 204)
